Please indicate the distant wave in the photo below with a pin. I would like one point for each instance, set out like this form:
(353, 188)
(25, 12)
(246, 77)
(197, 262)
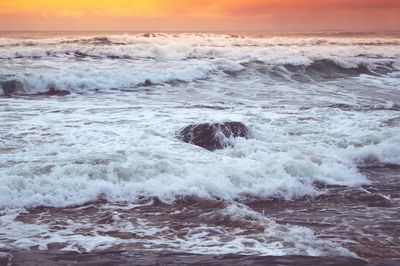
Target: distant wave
(78, 64)
(317, 70)
(189, 46)
(131, 79)
(238, 40)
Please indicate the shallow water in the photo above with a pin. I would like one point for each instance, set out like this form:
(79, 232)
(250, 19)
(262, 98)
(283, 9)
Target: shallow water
(101, 168)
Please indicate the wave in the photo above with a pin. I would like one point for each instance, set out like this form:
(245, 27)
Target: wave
(42, 87)
(317, 70)
(125, 78)
(93, 41)
(389, 106)
(186, 46)
(238, 39)
(125, 61)
(173, 171)
(376, 107)
(155, 164)
(327, 69)
(128, 76)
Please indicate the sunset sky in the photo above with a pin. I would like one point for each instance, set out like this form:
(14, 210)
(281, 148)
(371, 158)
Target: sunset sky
(201, 15)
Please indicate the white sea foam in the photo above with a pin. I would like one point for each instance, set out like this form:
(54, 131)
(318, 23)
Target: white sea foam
(81, 63)
(120, 144)
(69, 151)
(274, 239)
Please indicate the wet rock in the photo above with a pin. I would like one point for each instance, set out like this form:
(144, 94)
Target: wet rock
(54, 92)
(148, 35)
(12, 87)
(15, 87)
(213, 136)
(147, 83)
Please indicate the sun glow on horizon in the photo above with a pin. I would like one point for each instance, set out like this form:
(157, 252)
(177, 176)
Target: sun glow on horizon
(201, 14)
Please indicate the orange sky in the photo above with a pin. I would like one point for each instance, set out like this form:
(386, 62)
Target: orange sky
(192, 15)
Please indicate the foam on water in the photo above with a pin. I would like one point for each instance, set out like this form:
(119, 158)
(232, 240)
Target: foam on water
(80, 234)
(79, 64)
(119, 144)
(124, 149)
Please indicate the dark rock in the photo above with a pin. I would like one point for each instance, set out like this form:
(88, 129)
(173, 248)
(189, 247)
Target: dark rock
(148, 35)
(54, 92)
(15, 87)
(147, 83)
(213, 136)
(12, 87)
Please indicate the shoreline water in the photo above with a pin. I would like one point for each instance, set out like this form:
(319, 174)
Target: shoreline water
(363, 220)
(139, 258)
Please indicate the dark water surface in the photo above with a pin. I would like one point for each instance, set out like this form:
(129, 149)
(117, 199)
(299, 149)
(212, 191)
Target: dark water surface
(34, 258)
(364, 220)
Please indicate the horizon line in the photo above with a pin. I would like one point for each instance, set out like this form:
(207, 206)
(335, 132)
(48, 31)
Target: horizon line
(236, 31)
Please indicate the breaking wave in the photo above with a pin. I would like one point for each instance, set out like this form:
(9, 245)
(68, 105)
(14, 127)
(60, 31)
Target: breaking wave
(77, 64)
(132, 78)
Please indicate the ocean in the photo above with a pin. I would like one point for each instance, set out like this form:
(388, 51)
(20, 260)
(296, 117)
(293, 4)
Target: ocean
(90, 160)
